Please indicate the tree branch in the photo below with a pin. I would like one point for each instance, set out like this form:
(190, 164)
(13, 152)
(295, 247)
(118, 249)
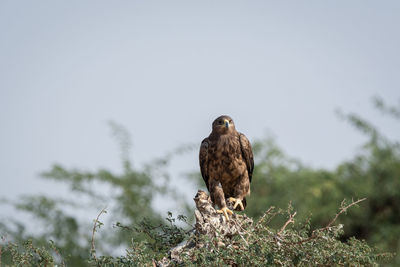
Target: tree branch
(96, 224)
(343, 209)
(313, 234)
(291, 220)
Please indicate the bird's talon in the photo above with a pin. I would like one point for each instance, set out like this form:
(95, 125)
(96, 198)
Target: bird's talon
(225, 211)
(231, 199)
(237, 202)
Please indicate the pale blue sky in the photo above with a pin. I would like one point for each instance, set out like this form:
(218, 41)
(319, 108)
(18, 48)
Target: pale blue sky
(166, 69)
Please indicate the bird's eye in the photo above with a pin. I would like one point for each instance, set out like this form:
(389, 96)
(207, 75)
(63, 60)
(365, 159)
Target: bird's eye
(230, 121)
(220, 122)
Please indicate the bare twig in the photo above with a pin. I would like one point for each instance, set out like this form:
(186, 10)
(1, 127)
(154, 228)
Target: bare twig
(240, 234)
(343, 209)
(265, 214)
(291, 216)
(96, 222)
(314, 235)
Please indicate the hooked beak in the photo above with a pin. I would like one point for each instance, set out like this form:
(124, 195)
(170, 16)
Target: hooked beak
(226, 123)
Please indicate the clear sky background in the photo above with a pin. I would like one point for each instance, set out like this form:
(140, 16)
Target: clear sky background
(166, 69)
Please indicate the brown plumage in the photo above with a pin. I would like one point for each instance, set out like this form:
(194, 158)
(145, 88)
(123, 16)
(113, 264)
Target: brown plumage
(226, 163)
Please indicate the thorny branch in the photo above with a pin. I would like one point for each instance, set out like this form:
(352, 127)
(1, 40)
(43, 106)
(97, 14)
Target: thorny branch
(343, 209)
(96, 224)
(215, 237)
(291, 220)
(314, 235)
(265, 215)
(239, 226)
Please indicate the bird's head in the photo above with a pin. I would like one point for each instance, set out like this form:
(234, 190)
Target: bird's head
(223, 125)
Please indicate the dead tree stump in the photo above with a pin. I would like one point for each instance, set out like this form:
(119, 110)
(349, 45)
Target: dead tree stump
(211, 224)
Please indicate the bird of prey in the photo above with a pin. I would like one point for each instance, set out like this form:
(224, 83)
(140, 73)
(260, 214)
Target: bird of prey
(226, 164)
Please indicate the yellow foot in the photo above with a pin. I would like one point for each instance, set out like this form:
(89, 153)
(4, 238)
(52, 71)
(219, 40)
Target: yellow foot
(237, 202)
(225, 211)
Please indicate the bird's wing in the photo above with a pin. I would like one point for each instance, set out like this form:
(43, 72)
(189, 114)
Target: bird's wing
(247, 154)
(203, 157)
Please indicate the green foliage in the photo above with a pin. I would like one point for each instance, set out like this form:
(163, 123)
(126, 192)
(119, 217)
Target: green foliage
(55, 224)
(128, 195)
(292, 244)
(159, 239)
(26, 254)
(263, 245)
(373, 173)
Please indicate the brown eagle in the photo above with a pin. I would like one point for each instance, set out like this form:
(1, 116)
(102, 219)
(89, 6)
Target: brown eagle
(226, 163)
